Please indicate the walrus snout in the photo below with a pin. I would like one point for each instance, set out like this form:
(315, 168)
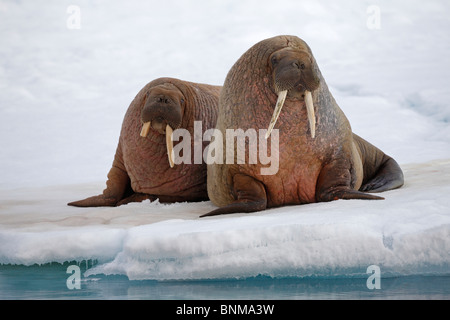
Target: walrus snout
(157, 120)
(163, 106)
(293, 73)
(162, 112)
(293, 70)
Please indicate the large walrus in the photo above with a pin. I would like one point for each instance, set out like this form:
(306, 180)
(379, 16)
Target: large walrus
(143, 166)
(277, 84)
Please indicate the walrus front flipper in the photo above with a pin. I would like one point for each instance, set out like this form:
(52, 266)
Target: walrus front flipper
(250, 194)
(335, 182)
(381, 172)
(94, 201)
(117, 186)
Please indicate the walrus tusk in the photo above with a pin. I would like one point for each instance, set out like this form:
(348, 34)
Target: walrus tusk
(310, 112)
(145, 129)
(169, 144)
(280, 102)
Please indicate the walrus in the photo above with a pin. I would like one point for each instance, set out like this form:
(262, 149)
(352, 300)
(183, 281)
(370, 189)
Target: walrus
(143, 166)
(277, 84)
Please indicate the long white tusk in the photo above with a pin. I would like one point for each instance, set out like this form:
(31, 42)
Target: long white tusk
(311, 114)
(169, 144)
(276, 113)
(145, 129)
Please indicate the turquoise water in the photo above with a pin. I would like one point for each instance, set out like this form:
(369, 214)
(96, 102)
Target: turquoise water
(50, 282)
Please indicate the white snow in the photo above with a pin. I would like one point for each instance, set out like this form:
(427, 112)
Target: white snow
(64, 92)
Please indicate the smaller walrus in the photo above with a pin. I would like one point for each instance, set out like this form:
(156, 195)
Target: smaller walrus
(320, 158)
(143, 166)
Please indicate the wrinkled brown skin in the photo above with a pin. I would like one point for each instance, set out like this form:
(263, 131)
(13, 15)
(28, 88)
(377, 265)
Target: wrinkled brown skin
(141, 169)
(336, 164)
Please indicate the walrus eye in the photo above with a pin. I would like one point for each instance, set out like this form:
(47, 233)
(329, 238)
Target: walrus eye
(182, 101)
(274, 61)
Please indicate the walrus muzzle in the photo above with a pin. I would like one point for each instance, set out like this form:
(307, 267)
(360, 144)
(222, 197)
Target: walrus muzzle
(162, 118)
(309, 109)
(162, 112)
(169, 141)
(293, 71)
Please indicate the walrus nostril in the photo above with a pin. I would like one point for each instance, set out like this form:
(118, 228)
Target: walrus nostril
(163, 100)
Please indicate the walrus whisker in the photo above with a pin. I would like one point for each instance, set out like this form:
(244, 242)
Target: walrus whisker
(310, 112)
(145, 129)
(276, 113)
(169, 143)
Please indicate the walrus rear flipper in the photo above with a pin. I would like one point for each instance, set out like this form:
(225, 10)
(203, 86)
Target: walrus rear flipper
(381, 172)
(251, 197)
(389, 176)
